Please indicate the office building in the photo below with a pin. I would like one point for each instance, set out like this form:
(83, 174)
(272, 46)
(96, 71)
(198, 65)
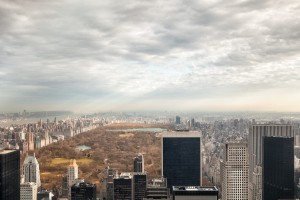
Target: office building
(181, 158)
(72, 172)
(235, 172)
(28, 191)
(123, 187)
(10, 175)
(83, 191)
(111, 174)
(64, 186)
(255, 145)
(138, 163)
(194, 193)
(139, 187)
(30, 140)
(31, 170)
(72, 175)
(278, 168)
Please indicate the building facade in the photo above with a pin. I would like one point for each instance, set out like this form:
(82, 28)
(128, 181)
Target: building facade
(123, 187)
(28, 191)
(83, 191)
(139, 186)
(235, 172)
(181, 158)
(9, 175)
(255, 146)
(138, 163)
(278, 168)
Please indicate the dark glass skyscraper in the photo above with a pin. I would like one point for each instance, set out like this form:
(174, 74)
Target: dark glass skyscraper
(83, 191)
(9, 175)
(139, 186)
(123, 187)
(278, 168)
(181, 158)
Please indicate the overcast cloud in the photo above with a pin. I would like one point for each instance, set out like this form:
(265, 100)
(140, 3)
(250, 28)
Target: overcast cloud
(150, 55)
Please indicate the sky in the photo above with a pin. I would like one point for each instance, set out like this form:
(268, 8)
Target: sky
(189, 55)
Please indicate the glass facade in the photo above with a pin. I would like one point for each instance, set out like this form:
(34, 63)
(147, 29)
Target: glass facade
(9, 175)
(278, 168)
(122, 189)
(181, 161)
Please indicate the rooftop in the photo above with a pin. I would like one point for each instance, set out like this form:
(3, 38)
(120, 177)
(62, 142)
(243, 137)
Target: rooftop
(6, 151)
(194, 188)
(184, 134)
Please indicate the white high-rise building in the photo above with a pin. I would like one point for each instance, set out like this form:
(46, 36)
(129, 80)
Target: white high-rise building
(31, 170)
(72, 175)
(255, 146)
(235, 172)
(72, 172)
(28, 191)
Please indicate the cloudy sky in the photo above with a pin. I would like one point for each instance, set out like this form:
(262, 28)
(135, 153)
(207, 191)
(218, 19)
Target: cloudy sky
(92, 55)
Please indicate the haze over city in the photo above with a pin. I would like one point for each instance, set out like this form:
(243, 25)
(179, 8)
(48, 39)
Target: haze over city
(149, 55)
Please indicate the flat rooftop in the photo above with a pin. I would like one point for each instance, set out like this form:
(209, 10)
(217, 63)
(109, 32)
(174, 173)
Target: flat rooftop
(195, 188)
(183, 134)
(6, 151)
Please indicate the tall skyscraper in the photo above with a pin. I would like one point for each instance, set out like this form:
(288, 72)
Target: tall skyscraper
(31, 170)
(72, 172)
(235, 172)
(181, 158)
(278, 168)
(9, 175)
(138, 163)
(28, 191)
(255, 145)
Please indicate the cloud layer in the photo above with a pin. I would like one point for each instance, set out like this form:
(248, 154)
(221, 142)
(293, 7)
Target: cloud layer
(144, 55)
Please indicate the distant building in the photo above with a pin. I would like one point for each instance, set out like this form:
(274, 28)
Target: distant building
(177, 121)
(30, 141)
(181, 158)
(123, 187)
(83, 191)
(139, 186)
(278, 168)
(10, 174)
(235, 172)
(28, 191)
(195, 192)
(138, 163)
(31, 170)
(72, 174)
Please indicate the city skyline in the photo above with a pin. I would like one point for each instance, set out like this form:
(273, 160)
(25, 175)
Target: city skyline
(177, 55)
